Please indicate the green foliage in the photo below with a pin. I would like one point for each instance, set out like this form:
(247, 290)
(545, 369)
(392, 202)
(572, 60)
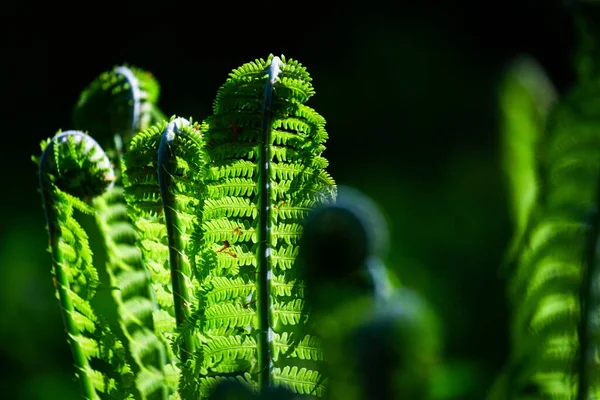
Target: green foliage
(120, 102)
(201, 226)
(238, 268)
(92, 342)
(526, 96)
(553, 287)
(248, 233)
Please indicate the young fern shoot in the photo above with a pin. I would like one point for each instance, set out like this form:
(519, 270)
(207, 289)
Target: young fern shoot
(73, 167)
(201, 224)
(172, 163)
(162, 173)
(116, 105)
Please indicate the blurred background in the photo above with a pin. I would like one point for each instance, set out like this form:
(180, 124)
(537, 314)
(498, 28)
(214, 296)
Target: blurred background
(409, 95)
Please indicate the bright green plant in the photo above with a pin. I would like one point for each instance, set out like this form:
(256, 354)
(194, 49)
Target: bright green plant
(200, 225)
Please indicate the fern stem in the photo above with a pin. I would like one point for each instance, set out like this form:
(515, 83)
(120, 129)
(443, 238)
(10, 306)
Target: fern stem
(589, 301)
(62, 286)
(264, 234)
(167, 165)
(60, 275)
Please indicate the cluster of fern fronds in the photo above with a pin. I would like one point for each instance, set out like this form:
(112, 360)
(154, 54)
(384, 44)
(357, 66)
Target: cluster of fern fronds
(217, 285)
(239, 270)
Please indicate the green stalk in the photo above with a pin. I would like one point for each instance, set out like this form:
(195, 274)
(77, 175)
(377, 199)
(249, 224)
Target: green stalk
(180, 269)
(265, 363)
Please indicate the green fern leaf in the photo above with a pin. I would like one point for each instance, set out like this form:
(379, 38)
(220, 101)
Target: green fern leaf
(266, 172)
(74, 155)
(162, 173)
(134, 298)
(554, 286)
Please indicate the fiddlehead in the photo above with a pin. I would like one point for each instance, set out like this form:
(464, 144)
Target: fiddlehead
(73, 166)
(350, 295)
(117, 105)
(264, 145)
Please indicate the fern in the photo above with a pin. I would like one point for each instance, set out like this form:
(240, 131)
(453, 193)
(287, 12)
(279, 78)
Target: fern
(73, 165)
(117, 104)
(133, 297)
(202, 225)
(380, 341)
(554, 277)
(265, 174)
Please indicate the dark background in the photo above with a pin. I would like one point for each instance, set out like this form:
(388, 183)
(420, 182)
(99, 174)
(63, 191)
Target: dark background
(409, 95)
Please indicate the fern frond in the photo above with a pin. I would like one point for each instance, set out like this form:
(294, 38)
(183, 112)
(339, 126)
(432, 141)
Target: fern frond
(122, 101)
(163, 173)
(266, 173)
(144, 207)
(73, 164)
(134, 296)
(553, 288)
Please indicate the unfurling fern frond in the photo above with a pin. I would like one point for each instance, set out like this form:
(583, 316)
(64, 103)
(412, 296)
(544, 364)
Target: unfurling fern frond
(201, 232)
(73, 166)
(117, 105)
(554, 286)
(163, 171)
(265, 174)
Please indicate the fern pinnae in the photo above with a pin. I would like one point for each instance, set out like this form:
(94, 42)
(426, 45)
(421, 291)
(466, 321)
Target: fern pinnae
(163, 170)
(554, 287)
(180, 271)
(134, 297)
(144, 207)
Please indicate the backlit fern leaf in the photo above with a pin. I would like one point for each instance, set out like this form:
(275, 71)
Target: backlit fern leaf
(309, 348)
(145, 209)
(221, 289)
(257, 187)
(100, 357)
(163, 171)
(133, 297)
